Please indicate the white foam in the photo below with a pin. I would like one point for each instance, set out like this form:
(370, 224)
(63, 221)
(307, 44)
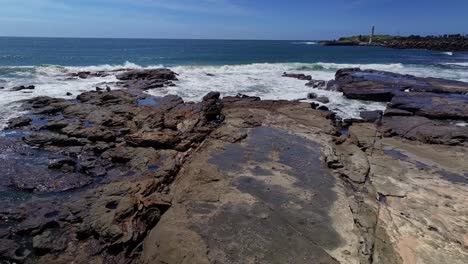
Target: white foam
(457, 63)
(448, 53)
(259, 79)
(263, 80)
(382, 67)
(306, 43)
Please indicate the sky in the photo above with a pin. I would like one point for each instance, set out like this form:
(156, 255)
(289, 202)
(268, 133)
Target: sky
(230, 19)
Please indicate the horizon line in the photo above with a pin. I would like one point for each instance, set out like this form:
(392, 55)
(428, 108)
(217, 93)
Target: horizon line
(155, 38)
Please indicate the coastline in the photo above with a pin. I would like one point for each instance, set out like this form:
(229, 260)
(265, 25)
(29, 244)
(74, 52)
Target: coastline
(127, 177)
(449, 43)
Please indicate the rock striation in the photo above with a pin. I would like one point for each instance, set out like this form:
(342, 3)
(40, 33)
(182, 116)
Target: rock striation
(426, 109)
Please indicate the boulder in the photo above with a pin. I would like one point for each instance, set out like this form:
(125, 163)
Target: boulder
(382, 86)
(22, 87)
(432, 105)
(312, 95)
(316, 83)
(371, 116)
(299, 76)
(19, 122)
(322, 99)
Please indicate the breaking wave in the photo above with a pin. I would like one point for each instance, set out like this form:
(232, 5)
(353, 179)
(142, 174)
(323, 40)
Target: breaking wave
(306, 43)
(257, 79)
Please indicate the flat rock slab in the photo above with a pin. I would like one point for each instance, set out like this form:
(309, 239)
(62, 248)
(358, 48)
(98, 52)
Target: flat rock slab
(268, 198)
(293, 195)
(423, 190)
(383, 86)
(429, 97)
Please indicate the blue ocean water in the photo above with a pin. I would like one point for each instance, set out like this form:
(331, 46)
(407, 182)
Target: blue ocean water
(228, 66)
(145, 52)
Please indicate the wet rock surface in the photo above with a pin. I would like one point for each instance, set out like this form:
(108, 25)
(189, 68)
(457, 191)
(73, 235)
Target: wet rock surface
(118, 176)
(424, 109)
(146, 79)
(299, 76)
(84, 180)
(22, 87)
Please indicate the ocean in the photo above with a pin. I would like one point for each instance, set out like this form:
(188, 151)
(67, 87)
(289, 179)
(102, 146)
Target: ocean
(238, 66)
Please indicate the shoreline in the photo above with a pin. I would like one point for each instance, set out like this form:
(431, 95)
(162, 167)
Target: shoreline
(132, 178)
(449, 43)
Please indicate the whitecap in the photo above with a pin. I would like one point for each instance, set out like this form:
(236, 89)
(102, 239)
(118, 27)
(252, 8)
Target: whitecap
(306, 43)
(464, 64)
(257, 79)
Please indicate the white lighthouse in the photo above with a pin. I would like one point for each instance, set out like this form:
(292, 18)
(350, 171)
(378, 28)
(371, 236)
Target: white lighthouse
(371, 35)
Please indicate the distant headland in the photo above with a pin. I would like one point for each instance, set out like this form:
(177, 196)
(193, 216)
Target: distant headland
(455, 42)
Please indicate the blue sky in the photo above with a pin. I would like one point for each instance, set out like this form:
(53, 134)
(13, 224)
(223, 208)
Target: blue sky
(230, 19)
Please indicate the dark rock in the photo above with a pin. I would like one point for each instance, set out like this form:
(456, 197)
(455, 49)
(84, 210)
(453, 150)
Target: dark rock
(69, 94)
(322, 99)
(55, 125)
(425, 130)
(5, 233)
(442, 44)
(22, 87)
(371, 116)
(51, 240)
(146, 79)
(241, 97)
(52, 140)
(299, 76)
(7, 250)
(211, 96)
(64, 165)
(383, 86)
(316, 83)
(323, 108)
(162, 74)
(88, 74)
(432, 105)
(312, 95)
(345, 123)
(397, 112)
(19, 122)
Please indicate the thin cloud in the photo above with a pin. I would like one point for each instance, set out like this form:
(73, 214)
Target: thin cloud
(220, 7)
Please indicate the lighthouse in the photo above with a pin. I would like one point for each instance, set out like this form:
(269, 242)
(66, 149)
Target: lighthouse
(371, 35)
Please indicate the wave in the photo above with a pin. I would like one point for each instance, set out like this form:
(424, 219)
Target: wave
(306, 43)
(448, 53)
(109, 67)
(464, 64)
(337, 66)
(255, 79)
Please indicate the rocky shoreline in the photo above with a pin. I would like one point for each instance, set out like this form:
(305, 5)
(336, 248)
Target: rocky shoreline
(119, 176)
(456, 43)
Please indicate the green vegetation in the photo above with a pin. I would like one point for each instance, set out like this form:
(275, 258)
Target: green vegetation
(361, 38)
(387, 38)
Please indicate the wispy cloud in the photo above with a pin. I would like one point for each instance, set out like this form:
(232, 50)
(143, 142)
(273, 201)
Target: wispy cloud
(220, 7)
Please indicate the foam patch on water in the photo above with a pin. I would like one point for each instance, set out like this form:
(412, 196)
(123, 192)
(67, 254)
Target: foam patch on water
(306, 43)
(457, 63)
